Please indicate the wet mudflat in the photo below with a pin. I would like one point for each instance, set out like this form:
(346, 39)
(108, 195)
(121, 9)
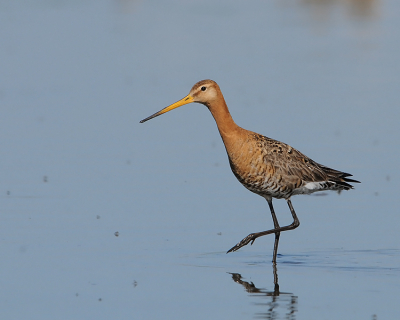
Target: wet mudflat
(103, 217)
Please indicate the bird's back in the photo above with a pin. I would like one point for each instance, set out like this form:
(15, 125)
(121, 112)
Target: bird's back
(274, 169)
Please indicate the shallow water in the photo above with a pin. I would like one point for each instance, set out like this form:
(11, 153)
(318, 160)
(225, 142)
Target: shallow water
(103, 217)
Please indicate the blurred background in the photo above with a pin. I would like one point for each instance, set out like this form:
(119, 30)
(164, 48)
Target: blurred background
(103, 217)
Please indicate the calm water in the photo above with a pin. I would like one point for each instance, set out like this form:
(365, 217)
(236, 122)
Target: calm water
(103, 217)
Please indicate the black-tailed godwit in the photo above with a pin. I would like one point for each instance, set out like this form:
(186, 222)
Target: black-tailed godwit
(267, 167)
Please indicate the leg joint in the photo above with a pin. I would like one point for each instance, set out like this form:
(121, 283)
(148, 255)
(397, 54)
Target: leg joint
(295, 223)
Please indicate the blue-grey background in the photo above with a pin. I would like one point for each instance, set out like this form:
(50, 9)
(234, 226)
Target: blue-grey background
(103, 217)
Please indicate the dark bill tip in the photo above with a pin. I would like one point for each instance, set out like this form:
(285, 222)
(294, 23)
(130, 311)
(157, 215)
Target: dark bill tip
(186, 100)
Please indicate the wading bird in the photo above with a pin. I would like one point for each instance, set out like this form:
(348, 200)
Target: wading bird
(267, 167)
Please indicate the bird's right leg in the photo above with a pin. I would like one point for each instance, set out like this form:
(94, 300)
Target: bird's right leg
(253, 236)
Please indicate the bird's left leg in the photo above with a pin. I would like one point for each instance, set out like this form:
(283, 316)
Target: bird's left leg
(253, 236)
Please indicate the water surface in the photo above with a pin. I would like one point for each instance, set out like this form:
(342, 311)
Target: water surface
(103, 217)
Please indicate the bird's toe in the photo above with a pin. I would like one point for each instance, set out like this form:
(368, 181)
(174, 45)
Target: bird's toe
(244, 242)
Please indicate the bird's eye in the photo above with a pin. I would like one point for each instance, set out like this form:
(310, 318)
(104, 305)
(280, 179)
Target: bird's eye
(203, 88)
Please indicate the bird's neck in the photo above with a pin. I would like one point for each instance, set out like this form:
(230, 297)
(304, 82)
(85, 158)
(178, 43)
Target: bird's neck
(233, 136)
(226, 126)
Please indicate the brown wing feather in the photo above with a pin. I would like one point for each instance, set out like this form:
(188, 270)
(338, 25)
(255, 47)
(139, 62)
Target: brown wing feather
(293, 165)
(274, 169)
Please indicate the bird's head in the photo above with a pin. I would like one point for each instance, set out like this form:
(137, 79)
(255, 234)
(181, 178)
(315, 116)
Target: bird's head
(204, 92)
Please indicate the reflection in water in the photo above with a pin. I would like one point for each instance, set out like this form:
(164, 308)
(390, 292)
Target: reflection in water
(276, 300)
(126, 6)
(354, 8)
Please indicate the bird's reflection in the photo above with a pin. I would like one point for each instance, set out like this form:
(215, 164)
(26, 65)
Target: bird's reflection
(353, 8)
(278, 305)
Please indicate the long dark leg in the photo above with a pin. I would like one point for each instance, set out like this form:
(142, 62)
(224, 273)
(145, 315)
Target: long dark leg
(277, 234)
(253, 236)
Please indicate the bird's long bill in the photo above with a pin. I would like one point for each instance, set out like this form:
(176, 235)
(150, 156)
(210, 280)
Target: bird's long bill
(185, 100)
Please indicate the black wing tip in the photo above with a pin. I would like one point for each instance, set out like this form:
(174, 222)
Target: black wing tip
(344, 183)
(351, 180)
(345, 175)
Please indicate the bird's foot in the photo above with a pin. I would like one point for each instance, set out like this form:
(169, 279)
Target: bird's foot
(250, 238)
